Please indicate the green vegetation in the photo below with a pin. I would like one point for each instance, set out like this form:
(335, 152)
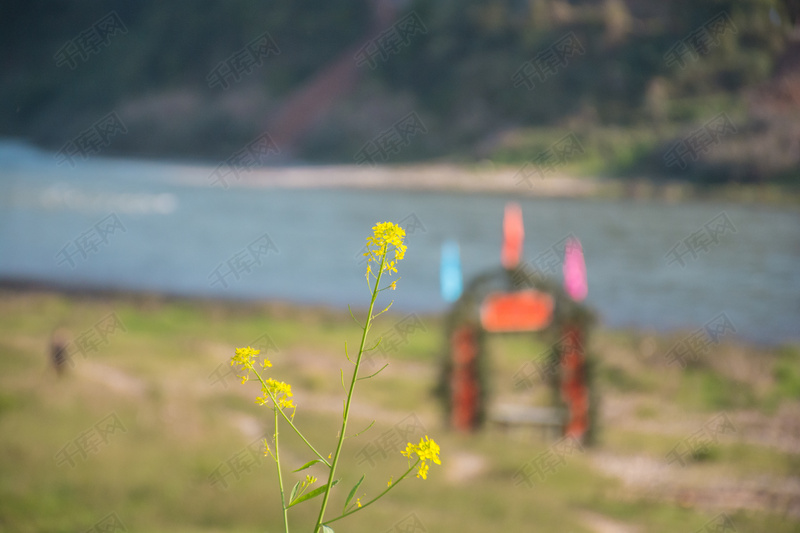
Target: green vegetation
(787, 374)
(616, 89)
(181, 425)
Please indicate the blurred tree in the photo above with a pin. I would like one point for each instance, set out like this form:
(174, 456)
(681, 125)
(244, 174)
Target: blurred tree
(460, 74)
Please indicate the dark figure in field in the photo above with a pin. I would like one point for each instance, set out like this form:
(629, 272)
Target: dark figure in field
(59, 355)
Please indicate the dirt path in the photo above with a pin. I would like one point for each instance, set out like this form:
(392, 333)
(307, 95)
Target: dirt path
(603, 524)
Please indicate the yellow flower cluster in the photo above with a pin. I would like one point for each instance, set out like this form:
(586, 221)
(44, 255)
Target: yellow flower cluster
(307, 482)
(426, 450)
(244, 359)
(385, 234)
(281, 391)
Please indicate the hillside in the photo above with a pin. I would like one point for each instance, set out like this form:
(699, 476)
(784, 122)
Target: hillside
(497, 80)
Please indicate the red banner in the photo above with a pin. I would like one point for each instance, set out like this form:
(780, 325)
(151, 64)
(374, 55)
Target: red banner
(527, 310)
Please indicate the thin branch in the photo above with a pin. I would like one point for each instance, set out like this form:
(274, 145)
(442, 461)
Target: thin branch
(376, 498)
(375, 374)
(387, 308)
(288, 419)
(353, 316)
(380, 340)
(362, 431)
(347, 354)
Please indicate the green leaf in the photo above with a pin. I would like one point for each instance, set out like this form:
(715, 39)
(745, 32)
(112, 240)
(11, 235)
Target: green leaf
(326, 529)
(352, 493)
(313, 494)
(307, 465)
(294, 492)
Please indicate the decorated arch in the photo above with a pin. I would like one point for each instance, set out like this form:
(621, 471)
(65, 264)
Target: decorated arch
(517, 299)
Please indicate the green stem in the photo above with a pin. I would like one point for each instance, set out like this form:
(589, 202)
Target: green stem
(280, 477)
(286, 417)
(376, 498)
(346, 413)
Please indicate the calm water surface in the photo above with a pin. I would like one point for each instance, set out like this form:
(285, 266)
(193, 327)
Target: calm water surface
(159, 227)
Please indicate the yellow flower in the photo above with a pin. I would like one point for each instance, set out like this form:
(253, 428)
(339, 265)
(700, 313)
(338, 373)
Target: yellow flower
(410, 448)
(426, 450)
(280, 391)
(386, 235)
(244, 357)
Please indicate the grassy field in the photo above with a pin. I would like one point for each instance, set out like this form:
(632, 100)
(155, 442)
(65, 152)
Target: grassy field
(147, 431)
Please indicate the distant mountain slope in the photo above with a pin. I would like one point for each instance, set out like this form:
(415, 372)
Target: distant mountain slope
(470, 71)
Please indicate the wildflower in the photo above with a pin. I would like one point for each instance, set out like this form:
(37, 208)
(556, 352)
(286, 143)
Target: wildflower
(426, 450)
(385, 234)
(279, 390)
(244, 357)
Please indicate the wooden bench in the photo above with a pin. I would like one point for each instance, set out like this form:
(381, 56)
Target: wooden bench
(548, 420)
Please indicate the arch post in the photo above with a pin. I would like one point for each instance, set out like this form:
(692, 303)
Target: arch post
(574, 387)
(464, 382)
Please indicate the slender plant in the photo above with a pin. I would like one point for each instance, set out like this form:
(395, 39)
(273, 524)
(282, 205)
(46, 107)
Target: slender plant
(387, 239)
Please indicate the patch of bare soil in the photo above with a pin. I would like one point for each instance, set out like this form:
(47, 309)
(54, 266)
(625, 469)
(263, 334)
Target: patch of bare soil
(603, 524)
(648, 478)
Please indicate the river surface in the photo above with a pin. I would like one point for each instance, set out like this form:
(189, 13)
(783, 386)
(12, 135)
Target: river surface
(139, 225)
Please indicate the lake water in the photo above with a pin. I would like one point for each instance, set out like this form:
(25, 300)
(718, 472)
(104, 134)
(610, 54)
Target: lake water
(161, 227)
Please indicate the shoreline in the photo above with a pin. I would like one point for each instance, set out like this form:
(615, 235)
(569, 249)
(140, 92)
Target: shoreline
(423, 178)
(483, 177)
(488, 178)
(284, 307)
